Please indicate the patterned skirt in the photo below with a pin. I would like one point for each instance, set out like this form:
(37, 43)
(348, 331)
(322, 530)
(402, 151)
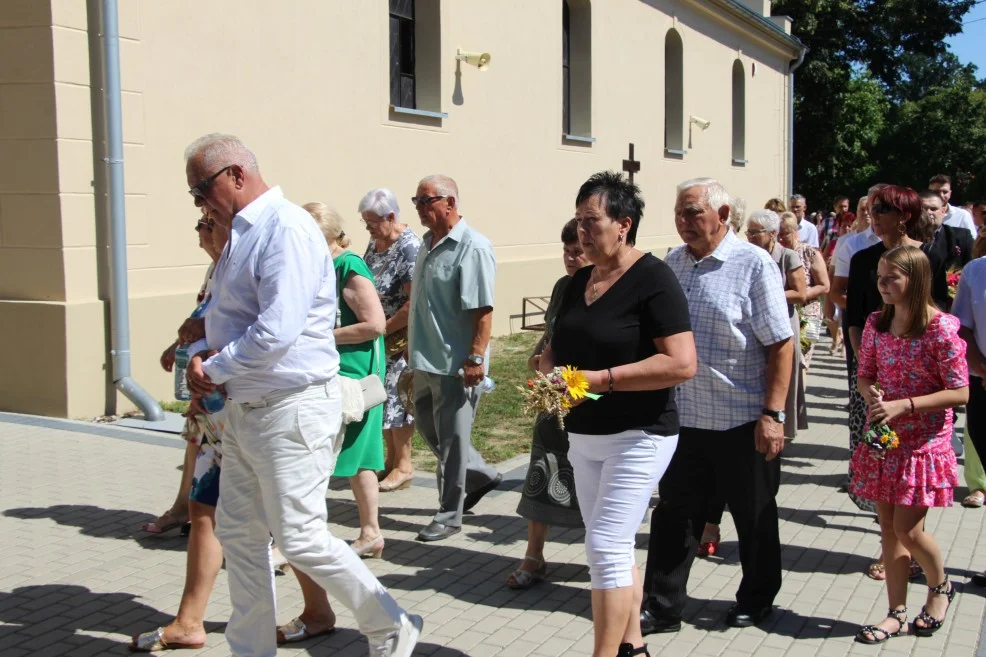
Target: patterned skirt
(857, 427)
(549, 489)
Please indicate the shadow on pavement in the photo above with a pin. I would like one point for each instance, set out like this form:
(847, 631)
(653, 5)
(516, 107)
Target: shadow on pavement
(98, 522)
(54, 613)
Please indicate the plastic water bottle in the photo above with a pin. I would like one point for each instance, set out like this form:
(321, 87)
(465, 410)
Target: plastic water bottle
(214, 401)
(486, 386)
(182, 393)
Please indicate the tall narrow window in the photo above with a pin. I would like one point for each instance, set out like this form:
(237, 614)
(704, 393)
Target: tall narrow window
(566, 68)
(415, 54)
(402, 82)
(739, 113)
(576, 68)
(674, 89)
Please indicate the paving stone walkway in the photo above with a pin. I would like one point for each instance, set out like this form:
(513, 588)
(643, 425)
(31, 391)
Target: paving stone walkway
(77, 578)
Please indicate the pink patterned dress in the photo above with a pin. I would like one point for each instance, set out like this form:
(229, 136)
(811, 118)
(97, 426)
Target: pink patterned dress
(923, 470)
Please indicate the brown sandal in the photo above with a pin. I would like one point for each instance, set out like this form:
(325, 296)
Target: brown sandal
(877, 571)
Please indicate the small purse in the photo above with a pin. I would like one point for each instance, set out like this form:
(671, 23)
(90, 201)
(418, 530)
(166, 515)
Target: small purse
(374, 393)
(395, 343)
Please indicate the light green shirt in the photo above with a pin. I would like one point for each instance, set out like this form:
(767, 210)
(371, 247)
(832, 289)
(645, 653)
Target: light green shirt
(451, 279)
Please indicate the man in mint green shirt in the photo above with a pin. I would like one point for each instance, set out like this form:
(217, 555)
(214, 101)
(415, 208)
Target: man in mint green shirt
(449, 335)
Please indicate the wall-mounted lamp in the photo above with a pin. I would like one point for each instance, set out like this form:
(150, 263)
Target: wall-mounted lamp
(480, 60)
(701, 123)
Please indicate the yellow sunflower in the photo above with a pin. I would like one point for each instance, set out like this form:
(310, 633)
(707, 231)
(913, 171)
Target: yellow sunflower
(576, 381)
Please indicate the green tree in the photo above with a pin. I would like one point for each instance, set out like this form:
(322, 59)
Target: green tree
(855, 48)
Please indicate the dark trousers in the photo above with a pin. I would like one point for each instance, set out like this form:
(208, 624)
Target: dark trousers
(975, 416)
(749, 484)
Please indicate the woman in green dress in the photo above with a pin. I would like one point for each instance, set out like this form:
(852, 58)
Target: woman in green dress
(360, 325)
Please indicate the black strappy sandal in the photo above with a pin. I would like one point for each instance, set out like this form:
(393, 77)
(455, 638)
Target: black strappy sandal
(899, 615)
(627, 650)
(932, 624)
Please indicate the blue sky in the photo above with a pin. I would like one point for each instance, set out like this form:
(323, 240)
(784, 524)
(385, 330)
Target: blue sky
(970, 45)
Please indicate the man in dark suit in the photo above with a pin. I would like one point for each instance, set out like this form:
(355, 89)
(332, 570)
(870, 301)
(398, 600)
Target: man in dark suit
(950, 249)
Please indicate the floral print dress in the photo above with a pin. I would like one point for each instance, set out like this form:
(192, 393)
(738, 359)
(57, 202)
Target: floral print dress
(392, 270)
(923, 470)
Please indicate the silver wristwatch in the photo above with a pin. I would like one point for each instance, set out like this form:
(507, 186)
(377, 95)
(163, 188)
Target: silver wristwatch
(475, 359)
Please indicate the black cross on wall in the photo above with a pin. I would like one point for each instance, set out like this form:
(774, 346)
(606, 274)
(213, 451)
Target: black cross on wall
(631, 166)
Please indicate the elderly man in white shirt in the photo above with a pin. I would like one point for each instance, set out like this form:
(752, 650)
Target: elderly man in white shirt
(807, 232)
(269, 344)
(954, 217)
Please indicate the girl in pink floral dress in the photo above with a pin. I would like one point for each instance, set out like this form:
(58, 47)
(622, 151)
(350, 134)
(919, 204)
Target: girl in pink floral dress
(912, 372)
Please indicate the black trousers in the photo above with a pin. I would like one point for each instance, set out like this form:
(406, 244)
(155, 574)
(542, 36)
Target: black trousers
(975, 416)
(749, 484)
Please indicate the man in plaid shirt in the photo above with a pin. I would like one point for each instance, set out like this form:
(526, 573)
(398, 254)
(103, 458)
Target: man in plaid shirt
(732, 419)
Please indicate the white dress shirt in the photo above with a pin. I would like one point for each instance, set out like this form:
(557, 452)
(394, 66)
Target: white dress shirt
(807, 233)
(970, 301)
(960, 218)
(273, 303)
(849, 245)
(737, 308)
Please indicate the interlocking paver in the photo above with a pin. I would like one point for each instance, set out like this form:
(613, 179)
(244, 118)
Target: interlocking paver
(77, 577)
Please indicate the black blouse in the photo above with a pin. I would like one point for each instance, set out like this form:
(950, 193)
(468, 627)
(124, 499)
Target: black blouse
(618, 328)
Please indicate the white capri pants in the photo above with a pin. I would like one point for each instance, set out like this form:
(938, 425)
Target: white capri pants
(615, 476)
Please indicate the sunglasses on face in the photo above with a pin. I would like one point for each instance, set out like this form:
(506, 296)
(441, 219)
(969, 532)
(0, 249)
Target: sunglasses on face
(882, 208)
(426, 200)
(199, 190)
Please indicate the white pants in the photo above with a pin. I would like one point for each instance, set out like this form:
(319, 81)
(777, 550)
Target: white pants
(277, 457)
(615, 476)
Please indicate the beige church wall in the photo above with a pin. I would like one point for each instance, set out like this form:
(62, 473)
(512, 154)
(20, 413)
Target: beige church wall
(32, 345)
(306, 85)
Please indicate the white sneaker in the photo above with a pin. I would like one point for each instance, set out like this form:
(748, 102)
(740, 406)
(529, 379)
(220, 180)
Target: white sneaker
(400, 643)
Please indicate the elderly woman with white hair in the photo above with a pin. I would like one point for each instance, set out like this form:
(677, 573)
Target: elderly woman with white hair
(391, 254)
(761, 229)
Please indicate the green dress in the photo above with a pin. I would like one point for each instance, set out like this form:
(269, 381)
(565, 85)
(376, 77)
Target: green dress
(362, 449)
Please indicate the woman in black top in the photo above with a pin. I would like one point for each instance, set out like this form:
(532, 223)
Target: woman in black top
(898, 221)
(625, 323)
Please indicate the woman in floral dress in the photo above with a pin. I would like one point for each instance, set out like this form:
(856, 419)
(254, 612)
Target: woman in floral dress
(911, 372)
(391, 253)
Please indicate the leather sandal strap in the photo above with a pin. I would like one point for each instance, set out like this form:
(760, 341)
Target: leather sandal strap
(941, 589)
(873, 629)
(899, 615)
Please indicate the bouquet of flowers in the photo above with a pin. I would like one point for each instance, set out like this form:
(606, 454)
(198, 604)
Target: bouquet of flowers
(555, 391)
(881, 438)
(953, 277)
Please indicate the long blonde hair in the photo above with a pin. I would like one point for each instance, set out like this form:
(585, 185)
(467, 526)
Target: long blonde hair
(913, 263)
(329, 222)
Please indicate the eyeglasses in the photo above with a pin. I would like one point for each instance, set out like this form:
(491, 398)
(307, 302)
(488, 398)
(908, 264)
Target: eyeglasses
(751, 233)
(882, 208)
(199, 190)
(426, 200)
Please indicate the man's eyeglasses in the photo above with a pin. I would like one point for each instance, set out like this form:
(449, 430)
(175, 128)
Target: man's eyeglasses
(751, 233)
(882, 208)
(199, 190)
(426, 200)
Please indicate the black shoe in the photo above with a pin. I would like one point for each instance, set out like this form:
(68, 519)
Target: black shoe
(652, 624)
(627, 650)
(979, 579)
(473, 498)
(743, 617)
(436, 531)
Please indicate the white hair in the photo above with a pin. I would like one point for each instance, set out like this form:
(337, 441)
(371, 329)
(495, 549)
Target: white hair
(737, 214)
(766, 218)
(381, 202)
(715, 195)
(444, 185)
(218, 150)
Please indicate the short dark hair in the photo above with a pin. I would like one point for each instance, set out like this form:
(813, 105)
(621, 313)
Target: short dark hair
(839, 199)
(930, 193)
(940, 179)
(570, 232)
(619, 197)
